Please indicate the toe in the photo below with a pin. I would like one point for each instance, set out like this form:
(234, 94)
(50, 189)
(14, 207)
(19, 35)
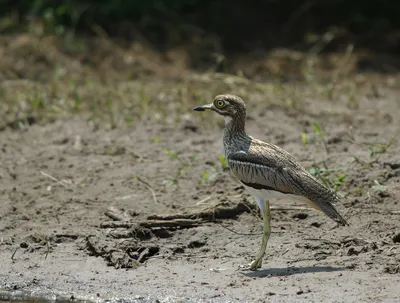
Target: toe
(256, 264)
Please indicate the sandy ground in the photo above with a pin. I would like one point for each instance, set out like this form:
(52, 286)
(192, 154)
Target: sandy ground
(149, 213)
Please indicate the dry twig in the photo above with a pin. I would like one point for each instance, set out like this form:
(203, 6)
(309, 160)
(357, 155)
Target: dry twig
(149, 187)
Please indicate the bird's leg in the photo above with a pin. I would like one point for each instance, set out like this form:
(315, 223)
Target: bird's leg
(266, 214)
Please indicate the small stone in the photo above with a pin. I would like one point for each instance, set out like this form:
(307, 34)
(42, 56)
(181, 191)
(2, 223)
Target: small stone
(392, 269)
(396, 238)
(316, 224)
(352, 252)
(24, 245)
(197, 241)
(299, 292)
(196, 244)
(300, 216)
(383, 194)
(178, 250)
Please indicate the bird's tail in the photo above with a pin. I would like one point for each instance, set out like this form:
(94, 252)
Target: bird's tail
(329, 209)
(323, 198)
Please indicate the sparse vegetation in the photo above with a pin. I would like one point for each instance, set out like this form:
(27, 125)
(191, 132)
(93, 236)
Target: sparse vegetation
(210, 176)
(320, 136)
(170, 23)
(224, 163)
(181, 169)
(377, 148)
(379, 187)
(375, 151)
(304, 138)
(332, 178)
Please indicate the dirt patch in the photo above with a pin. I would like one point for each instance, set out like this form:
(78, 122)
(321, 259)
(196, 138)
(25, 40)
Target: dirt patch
(98, 206)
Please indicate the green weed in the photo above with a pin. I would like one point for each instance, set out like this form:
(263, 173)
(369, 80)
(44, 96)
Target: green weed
(181, 169)
(351, 96)
(375, 151)
(358, 191)
(321, 135)
(144, 100)
(379, 187)
(205, 176)
(37, 103)
(214, 172)
(304, 138)
(333, 178)
(223, 162)
(377, 148)
(367, 164)
(76, 99)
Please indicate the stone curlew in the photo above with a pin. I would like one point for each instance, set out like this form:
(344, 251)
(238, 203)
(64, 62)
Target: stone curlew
(269, 172)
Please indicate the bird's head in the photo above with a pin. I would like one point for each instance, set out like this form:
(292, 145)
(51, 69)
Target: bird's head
(225, 105)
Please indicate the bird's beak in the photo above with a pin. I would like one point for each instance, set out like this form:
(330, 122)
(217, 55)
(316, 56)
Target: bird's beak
(203, 108)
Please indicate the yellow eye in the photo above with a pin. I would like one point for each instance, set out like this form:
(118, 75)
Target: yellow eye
(220, 103)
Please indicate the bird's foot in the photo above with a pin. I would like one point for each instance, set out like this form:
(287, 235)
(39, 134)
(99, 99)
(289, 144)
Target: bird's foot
(256, 264)
(139, 263)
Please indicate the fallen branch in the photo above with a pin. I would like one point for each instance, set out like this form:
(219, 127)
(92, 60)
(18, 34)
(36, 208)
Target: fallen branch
(189, 220)
(117, 215)
(218, 212)
(13, 254)
(177, 223)
(55, 179)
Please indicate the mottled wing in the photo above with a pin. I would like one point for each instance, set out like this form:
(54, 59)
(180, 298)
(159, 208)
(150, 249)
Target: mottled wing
(269, 167)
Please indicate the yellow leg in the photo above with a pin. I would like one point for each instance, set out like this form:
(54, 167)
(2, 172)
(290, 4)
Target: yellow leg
(257, 263)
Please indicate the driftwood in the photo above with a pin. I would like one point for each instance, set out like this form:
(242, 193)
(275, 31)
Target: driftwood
(122, 219)
(221, 211)
(176, 223)
(158, 224)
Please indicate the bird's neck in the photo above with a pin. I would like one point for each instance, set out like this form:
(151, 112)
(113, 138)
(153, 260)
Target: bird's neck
(234, 126)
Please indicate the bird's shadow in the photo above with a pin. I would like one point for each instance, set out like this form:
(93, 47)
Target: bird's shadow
(289, 271)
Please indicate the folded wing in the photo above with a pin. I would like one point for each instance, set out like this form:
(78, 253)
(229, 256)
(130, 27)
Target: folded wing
(281, 173)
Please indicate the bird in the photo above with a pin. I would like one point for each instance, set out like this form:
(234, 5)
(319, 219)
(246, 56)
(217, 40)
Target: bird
(267, 171)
